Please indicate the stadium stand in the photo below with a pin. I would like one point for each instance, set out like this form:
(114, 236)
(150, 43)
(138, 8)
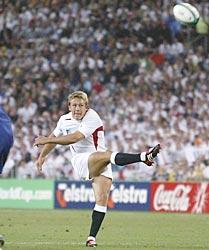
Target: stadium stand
(147, 76)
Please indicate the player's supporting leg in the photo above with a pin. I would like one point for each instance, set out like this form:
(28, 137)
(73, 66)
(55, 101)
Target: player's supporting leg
(98, 160)
(101, 186)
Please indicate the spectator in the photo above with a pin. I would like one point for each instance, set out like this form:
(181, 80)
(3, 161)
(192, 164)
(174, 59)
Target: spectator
(109, 48)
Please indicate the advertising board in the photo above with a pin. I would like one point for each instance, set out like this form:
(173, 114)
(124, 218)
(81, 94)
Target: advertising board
(26, 193)
(124, 195)
(184, 197)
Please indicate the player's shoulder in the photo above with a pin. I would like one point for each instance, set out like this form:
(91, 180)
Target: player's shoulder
(92, 113)
(66, 117)
(92, 116)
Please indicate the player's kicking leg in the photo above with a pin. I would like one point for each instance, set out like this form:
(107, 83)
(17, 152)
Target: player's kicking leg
(98, 160)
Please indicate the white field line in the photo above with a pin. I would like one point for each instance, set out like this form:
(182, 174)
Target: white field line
(34, 243)
(43, 243)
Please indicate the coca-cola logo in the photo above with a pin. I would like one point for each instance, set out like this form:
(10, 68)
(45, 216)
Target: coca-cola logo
(176, 199)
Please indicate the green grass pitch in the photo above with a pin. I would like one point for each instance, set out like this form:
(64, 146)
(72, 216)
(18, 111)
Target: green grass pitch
(67, 230)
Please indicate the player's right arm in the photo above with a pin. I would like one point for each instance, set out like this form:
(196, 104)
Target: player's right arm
(44, 152)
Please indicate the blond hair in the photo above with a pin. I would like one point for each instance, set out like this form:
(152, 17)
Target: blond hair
(78, 94)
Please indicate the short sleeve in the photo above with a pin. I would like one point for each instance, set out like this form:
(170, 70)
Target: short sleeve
(58, 131)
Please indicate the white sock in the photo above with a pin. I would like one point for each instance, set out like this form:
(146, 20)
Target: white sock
(112, 157)
(102, 209)
(143, 156)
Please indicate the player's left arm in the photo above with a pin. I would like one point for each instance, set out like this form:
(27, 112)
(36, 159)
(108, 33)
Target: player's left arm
(62, 140)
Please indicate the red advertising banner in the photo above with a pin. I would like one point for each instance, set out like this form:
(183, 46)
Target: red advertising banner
(184, 197)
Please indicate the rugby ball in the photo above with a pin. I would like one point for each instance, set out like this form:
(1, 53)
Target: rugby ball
(186, 13)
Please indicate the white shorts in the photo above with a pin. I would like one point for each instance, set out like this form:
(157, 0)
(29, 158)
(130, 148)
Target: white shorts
(80, 166)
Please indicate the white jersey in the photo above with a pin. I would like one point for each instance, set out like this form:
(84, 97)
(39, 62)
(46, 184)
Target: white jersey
(91, 126)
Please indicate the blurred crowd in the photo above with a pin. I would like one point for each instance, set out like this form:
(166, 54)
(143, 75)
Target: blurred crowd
(146, 74)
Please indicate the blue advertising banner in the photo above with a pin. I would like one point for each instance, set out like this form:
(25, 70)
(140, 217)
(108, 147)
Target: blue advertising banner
(124, 196)
(130, 196)
(73, 194)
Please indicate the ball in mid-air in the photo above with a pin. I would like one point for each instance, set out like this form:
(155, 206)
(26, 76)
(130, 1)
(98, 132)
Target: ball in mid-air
(186, 13)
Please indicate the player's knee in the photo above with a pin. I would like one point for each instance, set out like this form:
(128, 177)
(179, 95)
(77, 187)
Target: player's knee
(101, 199)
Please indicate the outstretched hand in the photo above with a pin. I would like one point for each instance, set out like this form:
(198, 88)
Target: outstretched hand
(40, 140)
(39, 163)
